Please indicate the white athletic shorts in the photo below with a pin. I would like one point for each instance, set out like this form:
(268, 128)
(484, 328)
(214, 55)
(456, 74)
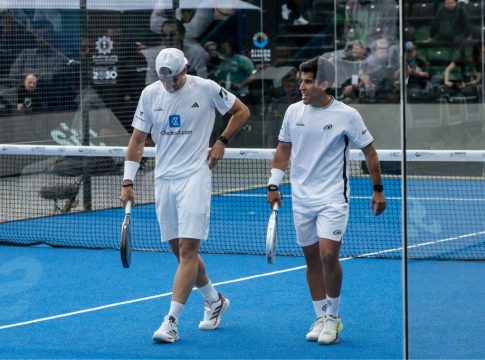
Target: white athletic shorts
(328, 221)
(183, 206)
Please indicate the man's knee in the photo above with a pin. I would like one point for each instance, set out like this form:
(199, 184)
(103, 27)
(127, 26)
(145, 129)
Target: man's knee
(329, 251)
(329, 257)
(189, 250)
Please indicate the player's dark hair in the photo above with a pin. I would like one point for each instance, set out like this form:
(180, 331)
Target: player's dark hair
(322, 70)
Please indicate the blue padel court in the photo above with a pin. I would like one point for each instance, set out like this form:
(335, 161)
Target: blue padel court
(60, 302)
(78, 303)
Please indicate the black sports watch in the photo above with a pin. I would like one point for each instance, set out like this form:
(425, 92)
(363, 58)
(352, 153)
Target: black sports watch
(223, 139)
(378, 187)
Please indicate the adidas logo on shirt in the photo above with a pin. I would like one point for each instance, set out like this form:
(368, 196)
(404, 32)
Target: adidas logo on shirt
(194, 105)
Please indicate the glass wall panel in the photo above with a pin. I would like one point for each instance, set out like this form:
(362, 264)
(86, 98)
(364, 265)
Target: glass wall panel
(444, 57)
(360, 41)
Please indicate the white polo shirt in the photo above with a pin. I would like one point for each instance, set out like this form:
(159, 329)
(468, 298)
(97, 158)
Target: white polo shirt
(320, 137)
(181, 123)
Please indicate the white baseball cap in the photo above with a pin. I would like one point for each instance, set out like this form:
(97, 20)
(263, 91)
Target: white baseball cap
(171, 58)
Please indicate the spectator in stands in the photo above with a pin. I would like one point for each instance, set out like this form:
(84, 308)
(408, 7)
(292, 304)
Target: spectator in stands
(417, 74)
(173, 35)
(29, 99)
(463, 75)
(347, 62)
(44, 60)
(357, 51)
(236, 72)
(196, 21)
(378, 74)
(451, 24)
(277, 107)
(215, 59)
(370, 20)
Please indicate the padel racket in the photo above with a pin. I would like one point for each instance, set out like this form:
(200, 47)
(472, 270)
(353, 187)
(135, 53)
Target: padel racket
(125, 245)
(272, 235)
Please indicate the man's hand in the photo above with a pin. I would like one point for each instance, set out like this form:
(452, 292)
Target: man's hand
(216, 153)
(378, 203)
(273, 196)
(127, 193)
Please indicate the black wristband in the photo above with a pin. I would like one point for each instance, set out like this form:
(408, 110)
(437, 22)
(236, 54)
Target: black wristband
(378, 188)
(128, 185)
(273, 187)
(223, 139)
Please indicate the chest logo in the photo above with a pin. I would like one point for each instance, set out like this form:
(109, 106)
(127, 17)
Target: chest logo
(327, 127)
(174, 121)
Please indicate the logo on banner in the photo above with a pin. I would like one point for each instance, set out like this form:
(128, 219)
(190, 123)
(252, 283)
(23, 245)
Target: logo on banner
(104, 45)
(259, 52)
(260, 40)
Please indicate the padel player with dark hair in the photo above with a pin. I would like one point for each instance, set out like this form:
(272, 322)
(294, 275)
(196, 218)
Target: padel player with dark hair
(179, 112)
(316, 134)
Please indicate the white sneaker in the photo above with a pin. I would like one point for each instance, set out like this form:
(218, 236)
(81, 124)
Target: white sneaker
(168, 331)
(316, 329)
(301, 21)
(213, 313)
(329, 335)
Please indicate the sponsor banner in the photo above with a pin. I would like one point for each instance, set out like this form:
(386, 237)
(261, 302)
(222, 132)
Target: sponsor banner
(60, 128)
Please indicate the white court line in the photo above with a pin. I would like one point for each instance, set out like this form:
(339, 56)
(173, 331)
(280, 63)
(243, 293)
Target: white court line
(121, 303)
(368, 197)
(143, 299)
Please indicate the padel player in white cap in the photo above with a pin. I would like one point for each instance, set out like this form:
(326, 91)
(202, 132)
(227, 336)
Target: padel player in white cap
(179, 113)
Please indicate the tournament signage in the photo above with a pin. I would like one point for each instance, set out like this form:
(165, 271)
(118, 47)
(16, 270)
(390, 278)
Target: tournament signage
(105, 70)
(260, 52)
(58, 128)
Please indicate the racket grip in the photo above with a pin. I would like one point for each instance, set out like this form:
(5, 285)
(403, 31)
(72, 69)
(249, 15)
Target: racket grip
(128, 207)
(275, 206)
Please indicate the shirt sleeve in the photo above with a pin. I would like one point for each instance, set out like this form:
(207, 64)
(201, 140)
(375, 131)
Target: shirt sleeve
(284, 135)
(223, 100)
(248, 67)
(141, 119)
(357, 132)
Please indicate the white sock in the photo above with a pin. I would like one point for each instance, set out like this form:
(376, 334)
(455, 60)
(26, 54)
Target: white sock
(175, 309)
(333, 305)
(320, 307)
(209, 293)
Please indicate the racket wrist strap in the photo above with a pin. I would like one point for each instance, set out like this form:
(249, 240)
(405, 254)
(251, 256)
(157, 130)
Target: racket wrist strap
(131, 167)
(276, 176)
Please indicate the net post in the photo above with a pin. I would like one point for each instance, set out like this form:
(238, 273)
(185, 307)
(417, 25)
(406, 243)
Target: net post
(86, 175)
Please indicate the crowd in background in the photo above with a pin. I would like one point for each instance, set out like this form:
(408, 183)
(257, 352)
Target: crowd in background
(41, 60)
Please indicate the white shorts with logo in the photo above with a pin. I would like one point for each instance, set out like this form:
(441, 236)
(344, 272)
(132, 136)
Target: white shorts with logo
(328, 221)
(183, 206)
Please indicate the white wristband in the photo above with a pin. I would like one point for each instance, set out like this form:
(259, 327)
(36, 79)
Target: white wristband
(276, 176)
(131, 167)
